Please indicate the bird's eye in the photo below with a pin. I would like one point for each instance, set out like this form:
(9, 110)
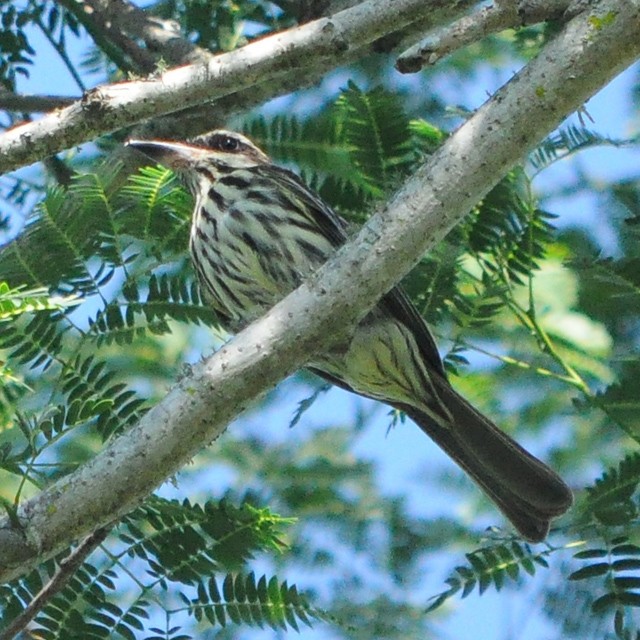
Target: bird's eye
(229, 144)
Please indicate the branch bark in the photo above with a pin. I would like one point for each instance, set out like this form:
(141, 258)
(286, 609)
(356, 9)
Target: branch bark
(501, 15)
(590, 51)
(311, 49)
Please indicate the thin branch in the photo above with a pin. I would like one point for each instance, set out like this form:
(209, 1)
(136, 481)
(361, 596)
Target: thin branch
(310, 49)
(162, 37)
(32, 104)
(59, 48)
(59, 580)
(522, 364)
(585, 55)
(124, 52)
(501, 15)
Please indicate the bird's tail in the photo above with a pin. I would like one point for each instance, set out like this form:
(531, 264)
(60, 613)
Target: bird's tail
(527, 491)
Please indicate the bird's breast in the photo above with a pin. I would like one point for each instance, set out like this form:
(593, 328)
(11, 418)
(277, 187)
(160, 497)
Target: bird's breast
(249, 249)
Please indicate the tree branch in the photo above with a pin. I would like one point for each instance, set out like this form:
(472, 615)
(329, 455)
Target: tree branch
(14, 102)
(590, 51)
(501, 15)
(307, 50)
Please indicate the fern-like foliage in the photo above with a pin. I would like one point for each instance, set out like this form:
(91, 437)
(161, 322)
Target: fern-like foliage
(84, 241)
(381, 146)
(620, 400)
(247, 601)
(15, 303)
(219, 26)
(169, 547)
(567, 141)
(491, 566)
(507, 232)
(615, 283)
(610, 499)
(99, 265)
(163, 298)
(182, 541)
(615, 566)
(354, 151)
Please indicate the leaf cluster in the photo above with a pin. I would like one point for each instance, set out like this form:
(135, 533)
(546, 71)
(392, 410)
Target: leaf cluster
(161, 548)
(219, 25)
(610, 565)
(15, 50)
(114, 255)
(490, 567)
(18, 24)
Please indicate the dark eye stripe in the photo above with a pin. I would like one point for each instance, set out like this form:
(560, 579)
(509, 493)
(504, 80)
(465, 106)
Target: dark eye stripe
(224, 143)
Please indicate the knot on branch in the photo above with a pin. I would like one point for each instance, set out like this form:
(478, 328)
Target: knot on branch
(95, 103)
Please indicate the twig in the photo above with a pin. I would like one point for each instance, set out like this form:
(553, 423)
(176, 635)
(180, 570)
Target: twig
(503, 14)
(59, 48)
(521, 364)
(162, 37)
(126, 54)
(33, 104)
(66, 569)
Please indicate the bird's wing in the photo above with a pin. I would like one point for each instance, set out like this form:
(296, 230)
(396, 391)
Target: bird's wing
(334, 228)
(318, 212)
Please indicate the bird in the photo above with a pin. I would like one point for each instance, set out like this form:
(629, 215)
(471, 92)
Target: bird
(258, 231)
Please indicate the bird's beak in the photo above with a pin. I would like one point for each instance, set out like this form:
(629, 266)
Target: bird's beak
(174, 155)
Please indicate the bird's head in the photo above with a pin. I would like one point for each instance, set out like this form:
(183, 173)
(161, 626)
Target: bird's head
(206, 156)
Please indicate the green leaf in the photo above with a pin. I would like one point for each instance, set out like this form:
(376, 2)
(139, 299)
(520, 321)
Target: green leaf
(590, 571)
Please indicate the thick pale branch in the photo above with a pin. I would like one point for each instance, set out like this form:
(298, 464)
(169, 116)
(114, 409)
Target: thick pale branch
(505, 14)
(590, 51)
(310, 49)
